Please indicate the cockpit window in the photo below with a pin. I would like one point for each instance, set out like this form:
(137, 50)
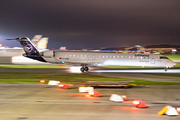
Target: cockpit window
(163, 57)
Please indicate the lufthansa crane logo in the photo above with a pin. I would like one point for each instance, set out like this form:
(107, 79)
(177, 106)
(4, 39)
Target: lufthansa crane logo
(28, 48)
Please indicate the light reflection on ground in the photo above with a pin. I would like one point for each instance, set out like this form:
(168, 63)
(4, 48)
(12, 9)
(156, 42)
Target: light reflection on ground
(141, 71)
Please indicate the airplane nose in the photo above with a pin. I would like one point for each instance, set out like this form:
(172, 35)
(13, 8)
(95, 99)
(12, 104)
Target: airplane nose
(171, 63)
(174, 63)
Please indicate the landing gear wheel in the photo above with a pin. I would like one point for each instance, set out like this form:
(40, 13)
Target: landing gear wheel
(82, 69)
(165, 69)
(86, 69)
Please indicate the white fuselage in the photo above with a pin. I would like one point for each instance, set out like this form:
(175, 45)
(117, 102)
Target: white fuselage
(106, 58)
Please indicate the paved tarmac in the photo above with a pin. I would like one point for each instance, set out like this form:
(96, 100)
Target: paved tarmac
(148, 77)
(35, 70)
(43, 102)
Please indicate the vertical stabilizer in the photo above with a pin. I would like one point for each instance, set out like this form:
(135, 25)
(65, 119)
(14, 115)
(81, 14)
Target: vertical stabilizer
(36, 39)
(30, 49)
(28, 46)
(42, 44)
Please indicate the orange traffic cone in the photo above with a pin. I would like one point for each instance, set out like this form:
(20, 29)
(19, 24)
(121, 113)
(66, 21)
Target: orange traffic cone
(65, 86)
(142, 104)
(96, 94)
(139, 103)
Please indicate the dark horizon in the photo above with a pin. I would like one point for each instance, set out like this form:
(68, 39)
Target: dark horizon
(79, 24)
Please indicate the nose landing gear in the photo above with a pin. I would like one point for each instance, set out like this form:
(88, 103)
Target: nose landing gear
(165, 69)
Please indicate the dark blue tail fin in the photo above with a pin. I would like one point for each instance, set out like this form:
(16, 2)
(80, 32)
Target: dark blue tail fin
(28, 46)
(30, 50)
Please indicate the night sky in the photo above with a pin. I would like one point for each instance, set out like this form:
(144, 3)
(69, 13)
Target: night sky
(80, 24)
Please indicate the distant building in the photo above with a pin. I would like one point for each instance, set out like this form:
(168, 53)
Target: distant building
(62, 48)
(149, 48)
(162, 48)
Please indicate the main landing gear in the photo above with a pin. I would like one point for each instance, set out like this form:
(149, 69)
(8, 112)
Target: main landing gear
(84, 69)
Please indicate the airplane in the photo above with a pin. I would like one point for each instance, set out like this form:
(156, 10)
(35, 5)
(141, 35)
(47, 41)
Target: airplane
(90, 58)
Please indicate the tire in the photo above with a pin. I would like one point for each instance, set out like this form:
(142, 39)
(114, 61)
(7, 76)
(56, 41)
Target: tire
(86, 68)
(82, 69)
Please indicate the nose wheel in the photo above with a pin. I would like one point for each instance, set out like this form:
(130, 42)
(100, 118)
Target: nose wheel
(84, 69)
(165, 69)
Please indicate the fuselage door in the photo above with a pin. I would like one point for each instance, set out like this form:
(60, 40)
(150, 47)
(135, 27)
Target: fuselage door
(54, 54)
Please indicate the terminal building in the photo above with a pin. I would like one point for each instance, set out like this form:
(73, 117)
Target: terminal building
(147, 49)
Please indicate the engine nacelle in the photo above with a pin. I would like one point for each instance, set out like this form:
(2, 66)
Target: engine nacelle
(48, 54)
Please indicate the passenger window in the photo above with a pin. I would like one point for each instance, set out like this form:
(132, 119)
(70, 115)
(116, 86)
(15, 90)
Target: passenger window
(114, 56)
(69, 55)
(117, 56)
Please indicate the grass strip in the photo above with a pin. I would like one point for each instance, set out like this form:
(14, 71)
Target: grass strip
(32, 66)
(166, 74)
(70, 78)
(59, 66)
(173, 57)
